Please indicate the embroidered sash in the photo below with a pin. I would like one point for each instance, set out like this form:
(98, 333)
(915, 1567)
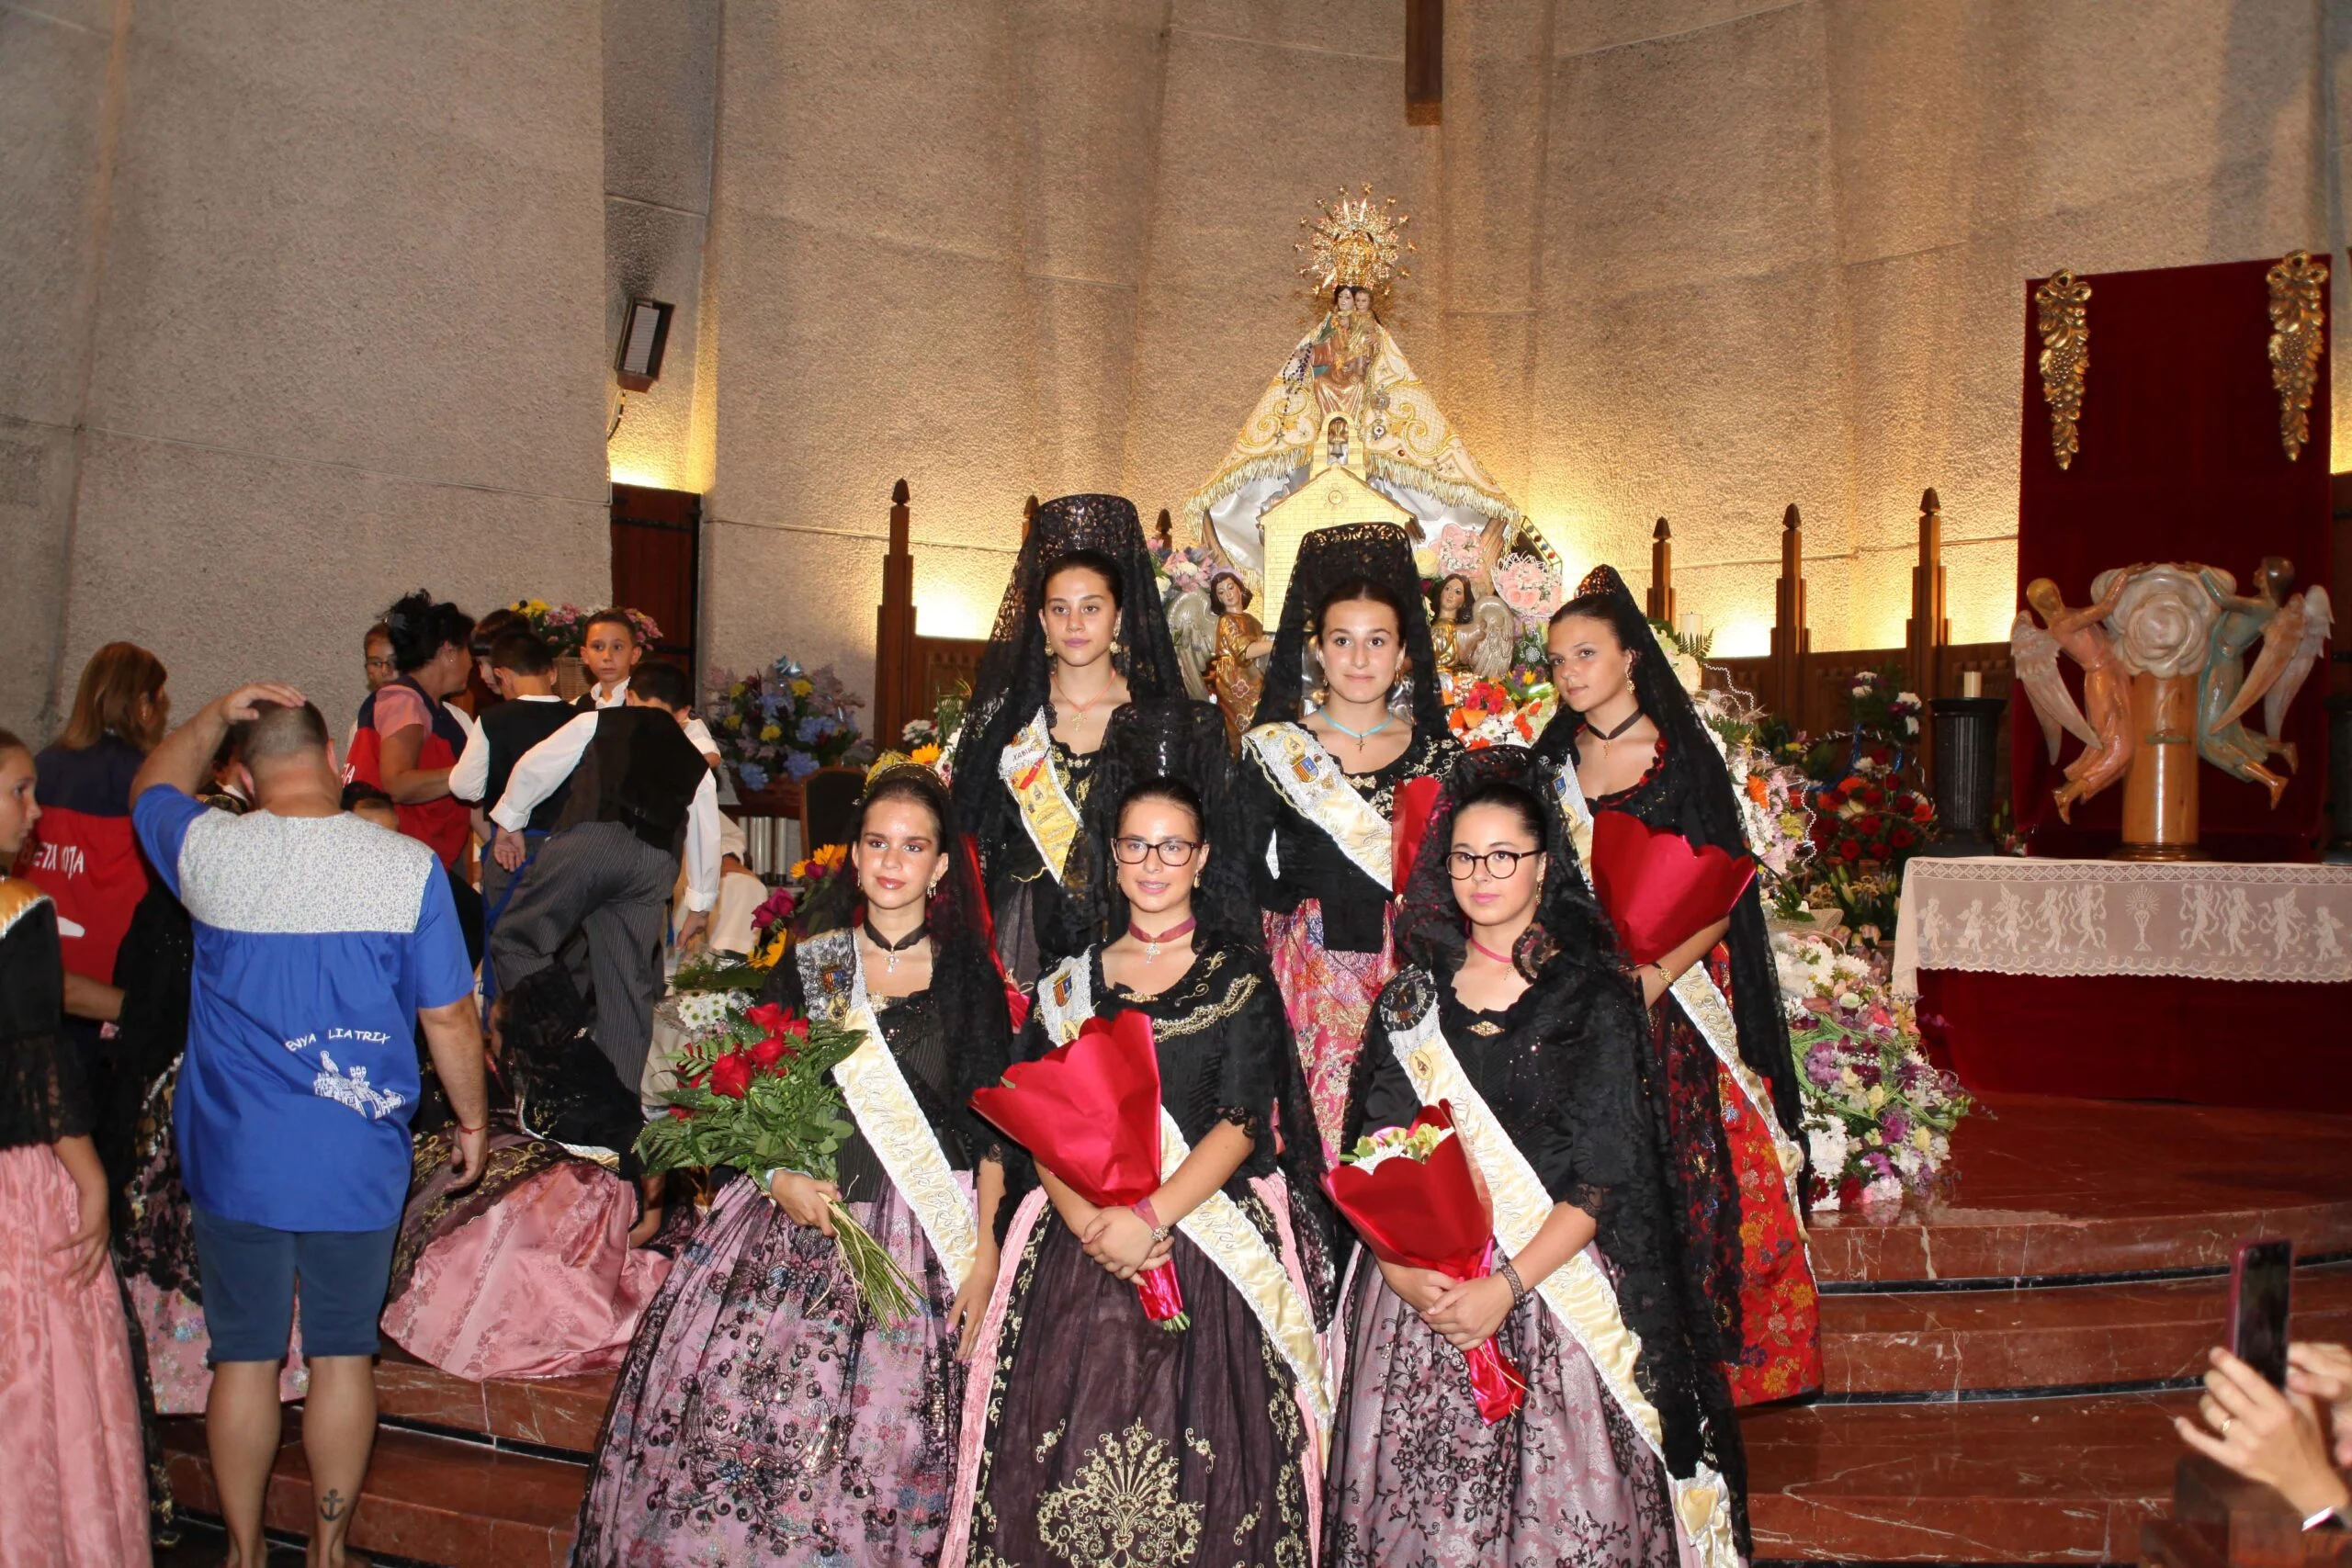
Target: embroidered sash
(1310, 779)
(1217, 1227)
(1704, 1003)
(885, 1110)
(1046, 810)
(1577, 1291)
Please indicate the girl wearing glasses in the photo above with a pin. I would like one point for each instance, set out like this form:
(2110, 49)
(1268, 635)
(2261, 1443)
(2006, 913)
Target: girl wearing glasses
(763, 1415)
(1322, 787)
(1081, 632)
(1513, 1009)
(1633, 741)
(1095, 1435)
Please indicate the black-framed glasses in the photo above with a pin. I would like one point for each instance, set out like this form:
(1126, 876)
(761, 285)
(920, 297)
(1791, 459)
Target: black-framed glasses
(1171, 851)
(1501, 865)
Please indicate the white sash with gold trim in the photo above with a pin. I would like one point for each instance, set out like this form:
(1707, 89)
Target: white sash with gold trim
(1047, 810)
(1218, 1227)
(1702, 1002)
(885, 1110)
(1577, 1291)
(1310, 779)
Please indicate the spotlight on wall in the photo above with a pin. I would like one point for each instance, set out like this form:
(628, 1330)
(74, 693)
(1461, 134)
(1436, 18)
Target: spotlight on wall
(645, 332)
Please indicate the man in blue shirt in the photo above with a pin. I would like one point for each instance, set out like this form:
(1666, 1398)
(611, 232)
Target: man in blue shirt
(321, 942)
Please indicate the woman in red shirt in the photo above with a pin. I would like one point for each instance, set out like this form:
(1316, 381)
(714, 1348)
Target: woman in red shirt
(408, 740)
(82, 853)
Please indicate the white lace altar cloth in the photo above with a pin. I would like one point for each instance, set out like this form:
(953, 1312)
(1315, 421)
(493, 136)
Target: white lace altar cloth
(2204, 920)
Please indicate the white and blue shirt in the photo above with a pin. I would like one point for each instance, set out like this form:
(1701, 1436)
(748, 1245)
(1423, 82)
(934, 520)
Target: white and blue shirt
(317, 940)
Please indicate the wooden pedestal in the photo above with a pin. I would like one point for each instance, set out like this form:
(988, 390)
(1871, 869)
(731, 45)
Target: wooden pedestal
(2160, 791)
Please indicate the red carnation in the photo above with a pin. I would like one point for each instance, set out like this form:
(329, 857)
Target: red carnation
(1847, 851)
(1901, 838)
(769, 1052)
(731, 1075)
(774, 1017)
(1871, 824)
(1873, 795)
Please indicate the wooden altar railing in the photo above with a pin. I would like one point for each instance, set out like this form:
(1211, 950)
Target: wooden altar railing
(1814, 691)
(912, 672)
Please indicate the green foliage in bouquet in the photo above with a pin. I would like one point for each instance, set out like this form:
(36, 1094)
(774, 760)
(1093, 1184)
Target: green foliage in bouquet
(755, 1092)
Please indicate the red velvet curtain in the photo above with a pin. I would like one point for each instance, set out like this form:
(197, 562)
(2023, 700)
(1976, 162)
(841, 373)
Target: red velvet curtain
(2180, 460)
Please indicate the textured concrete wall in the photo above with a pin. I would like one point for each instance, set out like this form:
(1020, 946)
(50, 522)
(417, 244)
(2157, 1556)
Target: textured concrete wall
(316, 301)
(317, 309)
(1697, 258)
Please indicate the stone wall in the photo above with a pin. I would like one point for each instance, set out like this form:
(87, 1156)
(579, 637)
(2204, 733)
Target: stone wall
(314, 302)
(307, 309)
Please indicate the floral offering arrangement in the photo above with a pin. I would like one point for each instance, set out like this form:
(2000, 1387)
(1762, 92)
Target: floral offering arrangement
(1878, 1115)
(1182, 570)
(1409, 1192)
(1487, 713)
(782, 720)
(559, 625)
(755, 1093)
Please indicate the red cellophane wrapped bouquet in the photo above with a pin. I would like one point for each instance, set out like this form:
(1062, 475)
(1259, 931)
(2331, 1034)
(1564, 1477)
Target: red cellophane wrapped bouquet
(1658, 887)
(1409, 1192)
(1089, 1112)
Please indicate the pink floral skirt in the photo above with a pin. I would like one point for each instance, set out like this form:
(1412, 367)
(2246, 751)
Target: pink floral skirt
(1328, 999)
(72, 1474)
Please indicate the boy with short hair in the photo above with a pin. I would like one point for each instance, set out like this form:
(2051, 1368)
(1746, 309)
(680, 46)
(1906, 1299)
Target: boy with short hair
(639, 796)
(522, 672)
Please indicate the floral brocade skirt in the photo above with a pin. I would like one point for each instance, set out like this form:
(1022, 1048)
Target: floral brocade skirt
(764, 1416)
(1779, 1352)
(1105, 1439)
(1417, 1476)
(1328, 996)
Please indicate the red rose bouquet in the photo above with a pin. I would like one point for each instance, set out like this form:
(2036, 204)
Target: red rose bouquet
(1089, 1112)
(1658, 887)
(757, 1093)
(1408, 1190)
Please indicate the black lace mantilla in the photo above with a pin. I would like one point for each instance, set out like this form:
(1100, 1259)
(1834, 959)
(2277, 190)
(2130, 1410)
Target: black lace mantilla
(44, 1092)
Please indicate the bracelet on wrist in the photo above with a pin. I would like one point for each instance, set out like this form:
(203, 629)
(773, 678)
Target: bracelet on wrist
(463, 1128)
(1511, 1277)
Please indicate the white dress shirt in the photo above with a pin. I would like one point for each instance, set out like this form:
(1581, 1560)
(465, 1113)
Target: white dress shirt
(470, 776)
(539, 770)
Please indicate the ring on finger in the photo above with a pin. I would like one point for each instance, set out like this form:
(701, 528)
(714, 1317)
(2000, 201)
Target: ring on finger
(2224, 1429)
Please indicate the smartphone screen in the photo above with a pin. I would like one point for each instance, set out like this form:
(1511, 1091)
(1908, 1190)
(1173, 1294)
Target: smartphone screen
(2259, 1283)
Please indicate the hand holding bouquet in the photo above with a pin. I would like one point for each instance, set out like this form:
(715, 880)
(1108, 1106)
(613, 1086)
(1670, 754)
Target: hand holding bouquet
(756, 1093)
(1089, 1113)
(1411, 1194)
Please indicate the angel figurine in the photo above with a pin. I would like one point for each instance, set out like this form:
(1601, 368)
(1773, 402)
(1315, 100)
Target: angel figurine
(1236, 669)
(2106, 732)
(1192, 628)
(2293, 631)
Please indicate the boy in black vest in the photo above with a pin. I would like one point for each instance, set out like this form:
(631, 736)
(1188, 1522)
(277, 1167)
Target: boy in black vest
(522, 672)
(639, 796)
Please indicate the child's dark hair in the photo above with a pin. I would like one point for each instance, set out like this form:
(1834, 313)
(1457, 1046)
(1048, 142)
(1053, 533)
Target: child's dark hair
(614, 617)
(354, 793)
(1095, 561)
(519, 649)
(662, 682)
(420, 628)
(490, 628)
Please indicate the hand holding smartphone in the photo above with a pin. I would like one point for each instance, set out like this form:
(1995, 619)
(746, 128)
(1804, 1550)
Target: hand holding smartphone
(2261, 1279)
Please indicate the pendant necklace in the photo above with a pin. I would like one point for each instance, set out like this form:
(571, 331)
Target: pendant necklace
(890, 949)
(1606, 736)
(1501, 958)
(1072, 703)
(1151, 942)
(1360, 736)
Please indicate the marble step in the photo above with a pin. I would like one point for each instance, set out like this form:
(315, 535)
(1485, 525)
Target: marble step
(1955, 1344)
(2051, 1188)
(428, 1499)
(554, 1417)
(2064, 1480)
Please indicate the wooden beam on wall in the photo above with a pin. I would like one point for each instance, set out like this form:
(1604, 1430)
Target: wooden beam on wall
(895, 671)
(1929, 629)
(1424, 61)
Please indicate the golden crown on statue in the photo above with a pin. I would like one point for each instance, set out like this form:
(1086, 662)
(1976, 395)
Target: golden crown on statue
(1354, 241)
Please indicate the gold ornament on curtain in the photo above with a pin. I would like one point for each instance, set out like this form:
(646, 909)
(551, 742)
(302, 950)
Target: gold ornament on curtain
(1353, 241)
(2063, 305)
(2297, 321)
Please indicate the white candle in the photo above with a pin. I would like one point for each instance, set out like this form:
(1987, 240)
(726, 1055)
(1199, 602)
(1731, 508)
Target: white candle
(1690, 625)
(1972, 683)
